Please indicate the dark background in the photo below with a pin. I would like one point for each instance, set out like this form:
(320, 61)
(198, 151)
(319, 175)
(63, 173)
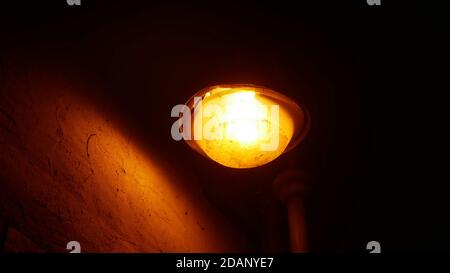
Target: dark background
(336, 58)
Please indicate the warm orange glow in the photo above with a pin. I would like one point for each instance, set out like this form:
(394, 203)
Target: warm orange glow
(81, 176)
(244, 126)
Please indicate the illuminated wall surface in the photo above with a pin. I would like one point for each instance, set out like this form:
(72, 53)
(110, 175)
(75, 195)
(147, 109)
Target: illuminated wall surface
(69, 172)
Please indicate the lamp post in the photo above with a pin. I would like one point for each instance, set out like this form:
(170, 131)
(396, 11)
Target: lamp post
(246, 126)
(291, 186)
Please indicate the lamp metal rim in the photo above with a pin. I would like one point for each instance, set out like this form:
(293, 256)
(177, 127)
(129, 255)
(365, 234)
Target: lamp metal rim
(294, 109)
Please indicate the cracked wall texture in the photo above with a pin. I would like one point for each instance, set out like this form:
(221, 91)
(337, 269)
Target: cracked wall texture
(69, 172)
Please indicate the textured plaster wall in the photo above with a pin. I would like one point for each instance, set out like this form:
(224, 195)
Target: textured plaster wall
(69, 172)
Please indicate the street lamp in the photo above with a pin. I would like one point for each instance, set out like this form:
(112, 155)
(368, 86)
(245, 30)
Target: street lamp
(246, 126)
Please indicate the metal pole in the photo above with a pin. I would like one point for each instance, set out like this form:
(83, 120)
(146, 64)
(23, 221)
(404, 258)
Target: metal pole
(290, 187)
(297, 225)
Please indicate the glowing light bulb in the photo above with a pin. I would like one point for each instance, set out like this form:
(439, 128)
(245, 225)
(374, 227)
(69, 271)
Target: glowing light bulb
(245, 126)
(242, 116)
